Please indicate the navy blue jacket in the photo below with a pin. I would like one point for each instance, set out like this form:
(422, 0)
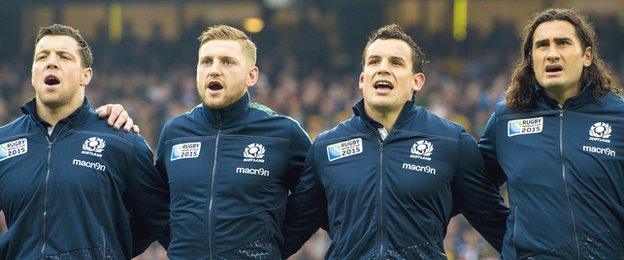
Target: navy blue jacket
(393, 198)
(71, 194)
(564, 169)
(230, 172)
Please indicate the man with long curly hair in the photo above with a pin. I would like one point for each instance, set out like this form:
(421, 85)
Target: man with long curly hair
(557, 140)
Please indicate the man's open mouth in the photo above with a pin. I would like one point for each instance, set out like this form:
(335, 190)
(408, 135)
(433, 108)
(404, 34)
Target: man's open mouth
(554, 68)
(215, 85)
(383, 84)
(51, 80)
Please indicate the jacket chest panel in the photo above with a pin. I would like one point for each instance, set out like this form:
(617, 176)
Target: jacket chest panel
(594, 153)
(70, 172)
(409, 168)
(239, 163)
(522, 139)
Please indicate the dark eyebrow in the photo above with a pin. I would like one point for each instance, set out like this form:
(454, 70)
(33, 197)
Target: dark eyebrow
(541, 42)
(374, 57)
(563, 40)
(399, 59)
(43, 51)
(65, 52)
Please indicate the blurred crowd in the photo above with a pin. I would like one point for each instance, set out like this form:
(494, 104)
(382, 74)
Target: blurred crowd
(304, 75)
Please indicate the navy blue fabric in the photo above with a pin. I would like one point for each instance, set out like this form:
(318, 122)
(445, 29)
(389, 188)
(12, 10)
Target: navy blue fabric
(393, 198)
(230, 172)
(566, 186)
(64, 199)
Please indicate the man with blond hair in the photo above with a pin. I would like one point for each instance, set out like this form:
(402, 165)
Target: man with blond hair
(231, 163)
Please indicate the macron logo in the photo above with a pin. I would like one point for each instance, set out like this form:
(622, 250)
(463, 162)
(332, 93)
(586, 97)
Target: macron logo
(251, 171)
(599, 150)
(92, 165)
(424, 169)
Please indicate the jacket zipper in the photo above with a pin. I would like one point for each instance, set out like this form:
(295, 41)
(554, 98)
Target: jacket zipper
(45, 198)
(103, 242)
(212, 183)
(47, 178)
(565, 183)
(513, 231)
(381, 242)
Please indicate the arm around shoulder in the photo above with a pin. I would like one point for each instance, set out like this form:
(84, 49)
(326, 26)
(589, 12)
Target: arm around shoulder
(305, 210)
(148, 198)
(477, 196)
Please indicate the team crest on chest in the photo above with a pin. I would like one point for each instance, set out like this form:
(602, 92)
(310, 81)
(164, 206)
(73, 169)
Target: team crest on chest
(422, 149)
(254, 152)
(93, 146)
(600, 132)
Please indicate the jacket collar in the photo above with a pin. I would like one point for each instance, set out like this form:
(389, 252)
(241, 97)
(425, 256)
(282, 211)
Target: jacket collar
(75, 118)
(407, 111)
(585, 96)
(228, 115)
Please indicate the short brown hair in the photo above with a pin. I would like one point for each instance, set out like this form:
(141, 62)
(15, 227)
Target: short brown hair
(226, 32)
(59, 29)
(394, 31)
(519, 93)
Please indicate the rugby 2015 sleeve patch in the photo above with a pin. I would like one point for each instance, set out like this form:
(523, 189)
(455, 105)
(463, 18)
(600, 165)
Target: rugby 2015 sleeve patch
(13, 148)
(525, 126)
(344, 149)
(185, 151)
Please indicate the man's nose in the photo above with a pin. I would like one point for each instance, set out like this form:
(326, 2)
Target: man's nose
(52, 62)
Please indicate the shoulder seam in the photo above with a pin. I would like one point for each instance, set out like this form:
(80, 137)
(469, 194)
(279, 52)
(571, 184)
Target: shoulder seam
(263, 108)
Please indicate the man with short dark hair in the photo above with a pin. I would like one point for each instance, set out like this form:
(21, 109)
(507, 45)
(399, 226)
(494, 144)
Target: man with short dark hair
(70, 185)
(394, 173)
(557, 142)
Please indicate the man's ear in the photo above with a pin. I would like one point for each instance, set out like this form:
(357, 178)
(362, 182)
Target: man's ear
(419, 81)
(588, 55)
(361, 81)
(252, 76)
(85, 77)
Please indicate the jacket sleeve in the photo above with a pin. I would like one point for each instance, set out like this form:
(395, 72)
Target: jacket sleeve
(148, 199)
(487, 145)
(477, 197)
(305, 209)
